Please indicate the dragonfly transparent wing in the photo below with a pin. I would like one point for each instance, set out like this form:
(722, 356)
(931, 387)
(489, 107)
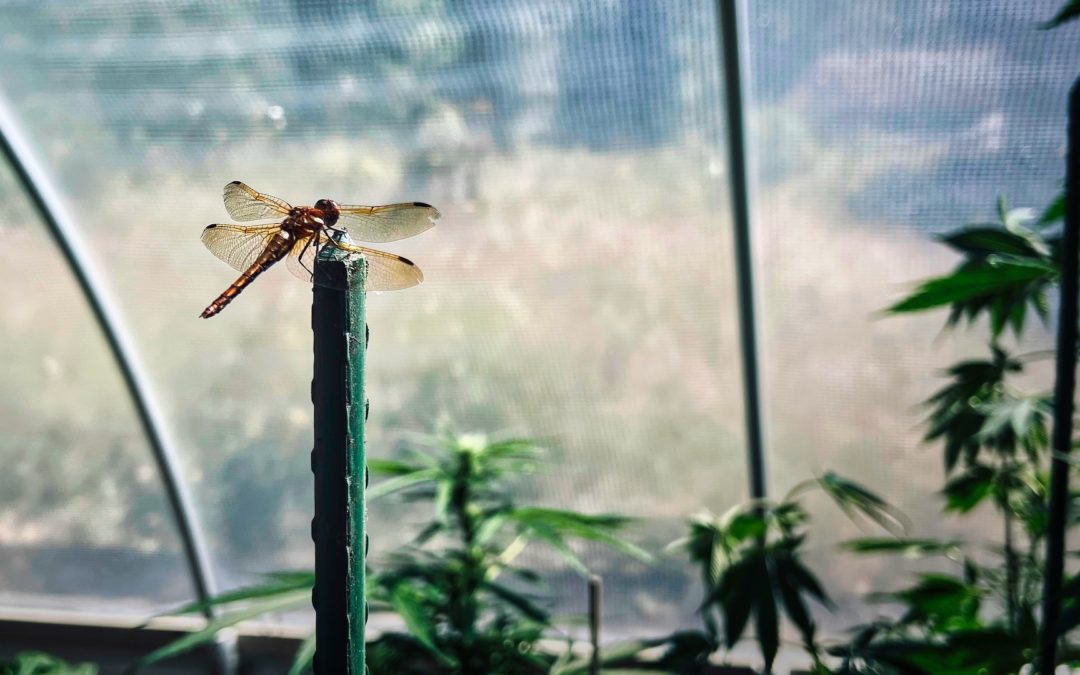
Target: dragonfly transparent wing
(386, 271)
(238, 245)
(387, 223)
(244, 203)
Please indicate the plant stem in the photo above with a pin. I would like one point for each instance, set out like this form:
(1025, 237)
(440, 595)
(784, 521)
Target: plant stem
(1010, 567)
(465, 622)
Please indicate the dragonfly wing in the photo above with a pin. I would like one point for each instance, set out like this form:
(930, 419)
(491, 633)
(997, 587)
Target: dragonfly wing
(238, 245)
(386, 271)
(244, 203)
(387, 223)
(301, 262)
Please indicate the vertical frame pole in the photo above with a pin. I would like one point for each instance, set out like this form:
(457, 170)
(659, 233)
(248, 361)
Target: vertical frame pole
(731, 41)
(338, 462)
(596, 615)
(1064, 390)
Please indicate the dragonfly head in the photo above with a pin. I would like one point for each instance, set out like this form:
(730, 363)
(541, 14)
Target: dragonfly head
(329, 210)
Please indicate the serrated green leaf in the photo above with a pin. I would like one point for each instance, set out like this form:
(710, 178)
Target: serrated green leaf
(966, 284)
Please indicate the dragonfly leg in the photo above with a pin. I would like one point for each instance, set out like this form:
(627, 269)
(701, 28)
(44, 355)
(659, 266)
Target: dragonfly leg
(300, 258)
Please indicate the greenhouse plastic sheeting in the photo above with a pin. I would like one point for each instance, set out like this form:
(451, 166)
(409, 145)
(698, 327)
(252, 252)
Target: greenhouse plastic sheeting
(578, 287)
(876, 126)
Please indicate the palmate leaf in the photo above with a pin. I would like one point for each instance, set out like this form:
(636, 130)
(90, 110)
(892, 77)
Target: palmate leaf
(559, 524)
(1007, 268)
(960, 409)
(1002, 288)
(758, 583)
(970, 283)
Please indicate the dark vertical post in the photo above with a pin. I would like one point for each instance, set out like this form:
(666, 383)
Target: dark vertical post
(1064, 390)
(730, 45)
(596, 615)
(337, 391)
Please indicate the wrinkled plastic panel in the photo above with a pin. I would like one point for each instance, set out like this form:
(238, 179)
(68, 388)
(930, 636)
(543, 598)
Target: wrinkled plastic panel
(579, 286)
(83, 521)
(875, 126)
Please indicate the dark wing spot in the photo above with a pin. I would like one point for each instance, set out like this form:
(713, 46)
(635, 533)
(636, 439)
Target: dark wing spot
(235, 182)
(209, 227)
(422, 205)
(407, 262)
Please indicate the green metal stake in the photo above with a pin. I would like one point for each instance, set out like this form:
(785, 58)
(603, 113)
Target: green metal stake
(338, 462)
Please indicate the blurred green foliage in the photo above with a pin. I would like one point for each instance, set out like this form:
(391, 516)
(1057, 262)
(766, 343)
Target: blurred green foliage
(468, 603)
(980, 616)
(37, 663)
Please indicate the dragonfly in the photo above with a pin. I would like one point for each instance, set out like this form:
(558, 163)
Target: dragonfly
(304, 233)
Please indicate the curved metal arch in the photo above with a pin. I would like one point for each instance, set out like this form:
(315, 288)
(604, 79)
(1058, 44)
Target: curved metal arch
(61, 226)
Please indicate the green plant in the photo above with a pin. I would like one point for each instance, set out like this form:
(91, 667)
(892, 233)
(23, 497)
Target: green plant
(38, 663)
(981, 617)
(468, 606)
(751, 564)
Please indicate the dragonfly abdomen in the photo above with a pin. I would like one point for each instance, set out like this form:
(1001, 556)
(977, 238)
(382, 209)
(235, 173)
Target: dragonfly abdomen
(276, 249)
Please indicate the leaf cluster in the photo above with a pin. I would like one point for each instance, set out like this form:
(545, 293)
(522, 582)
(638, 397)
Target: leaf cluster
(38, 663)
(751, 565)
(1006, 269)
(467, 604)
